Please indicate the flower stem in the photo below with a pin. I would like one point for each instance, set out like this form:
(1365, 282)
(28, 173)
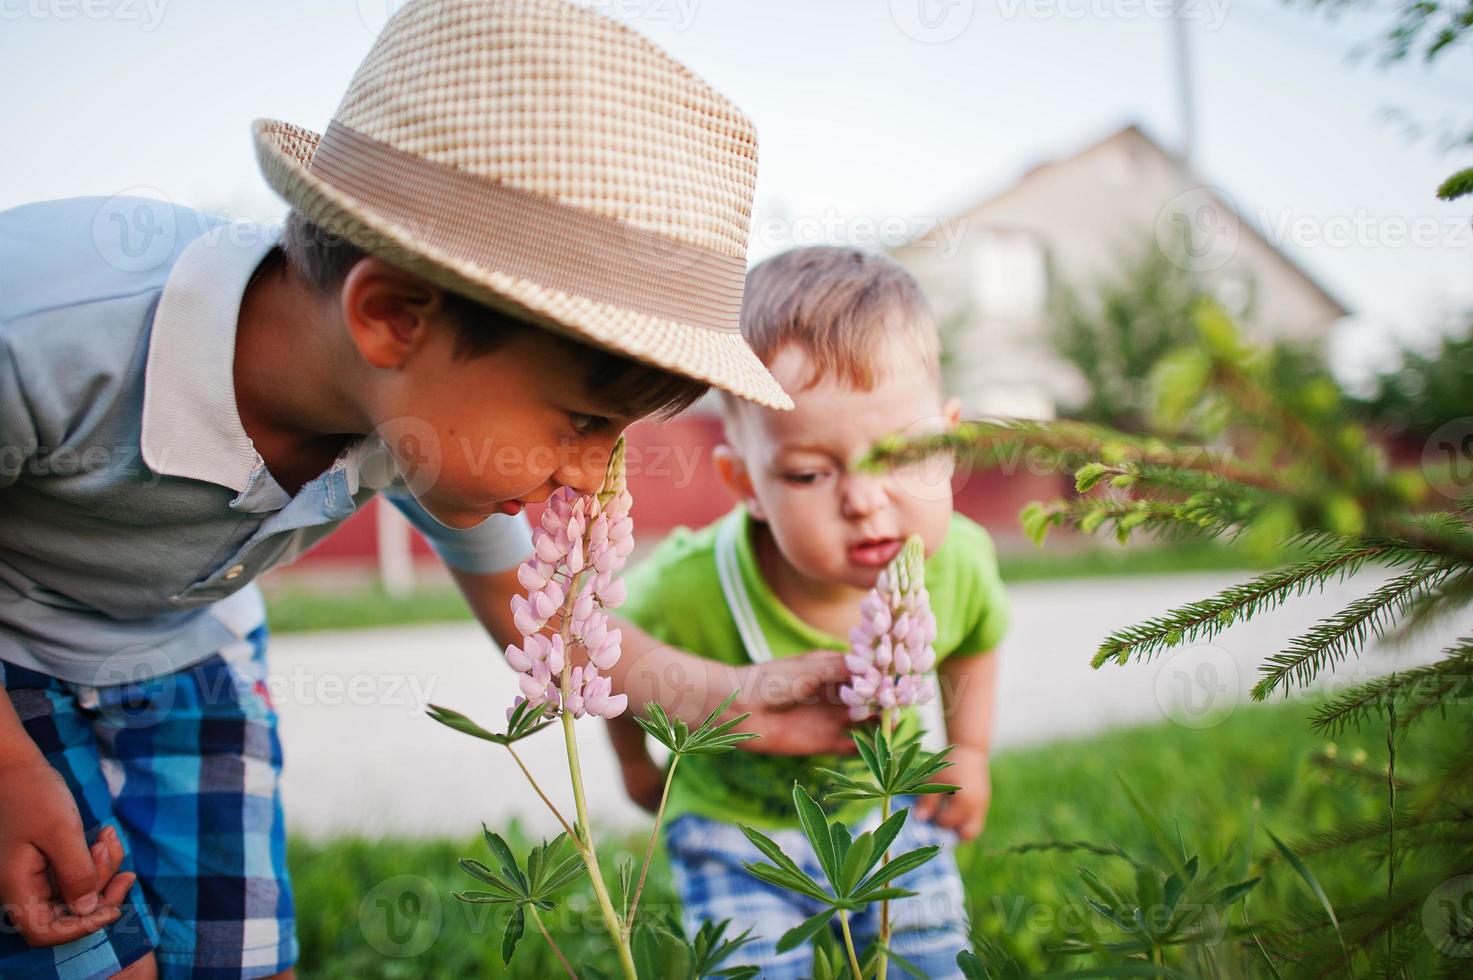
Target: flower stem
(590, 855)
(883, 970)
(548, 936)
(849, 945)
(650, 850)
(560, 818)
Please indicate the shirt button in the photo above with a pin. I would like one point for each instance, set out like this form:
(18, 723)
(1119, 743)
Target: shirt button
(234, 572)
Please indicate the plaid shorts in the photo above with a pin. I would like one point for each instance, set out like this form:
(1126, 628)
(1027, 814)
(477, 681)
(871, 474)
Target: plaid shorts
(928, 929)
(186, 768)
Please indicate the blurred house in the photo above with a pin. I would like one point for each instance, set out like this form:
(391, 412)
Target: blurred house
(990, 270)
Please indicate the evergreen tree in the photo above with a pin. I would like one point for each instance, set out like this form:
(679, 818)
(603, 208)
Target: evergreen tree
(1287, 467)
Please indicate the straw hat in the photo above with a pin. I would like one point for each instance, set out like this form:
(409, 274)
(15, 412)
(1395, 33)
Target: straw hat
(545, 160)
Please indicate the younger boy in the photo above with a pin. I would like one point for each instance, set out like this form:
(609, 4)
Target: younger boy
(850, 337)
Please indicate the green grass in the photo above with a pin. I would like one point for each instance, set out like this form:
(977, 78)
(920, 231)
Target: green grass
(1221, 788)
(299, 610)
(1101, 560)
(296, 609)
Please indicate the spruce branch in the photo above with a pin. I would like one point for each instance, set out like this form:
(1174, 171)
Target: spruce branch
(1203, 620)
(1417, 689)
(1333, 638)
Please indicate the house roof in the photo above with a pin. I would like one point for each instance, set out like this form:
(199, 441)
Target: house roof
(1134, 131)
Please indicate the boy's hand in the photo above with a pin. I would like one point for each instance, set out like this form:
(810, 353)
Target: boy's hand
(965, 809)
(49, 882)
(644, 781)
(795, 705)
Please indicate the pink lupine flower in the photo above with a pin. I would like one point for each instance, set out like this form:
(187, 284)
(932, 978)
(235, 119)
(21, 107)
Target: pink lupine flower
(578, 550)
(891, 650)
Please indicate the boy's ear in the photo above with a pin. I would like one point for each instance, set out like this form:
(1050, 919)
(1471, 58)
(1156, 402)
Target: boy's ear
(952, 412)
(732, 470)
(388, 312)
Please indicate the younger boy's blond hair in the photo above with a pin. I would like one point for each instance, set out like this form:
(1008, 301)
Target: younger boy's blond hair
(850, 312)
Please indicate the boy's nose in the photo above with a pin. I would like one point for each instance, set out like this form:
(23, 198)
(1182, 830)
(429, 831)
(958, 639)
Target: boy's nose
(862, 495)
(583, 468)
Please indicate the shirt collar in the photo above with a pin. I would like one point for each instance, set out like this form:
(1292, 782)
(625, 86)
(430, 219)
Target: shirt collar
(191, 427)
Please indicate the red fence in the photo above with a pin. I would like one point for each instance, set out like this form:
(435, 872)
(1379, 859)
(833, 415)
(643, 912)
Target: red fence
(674, 483)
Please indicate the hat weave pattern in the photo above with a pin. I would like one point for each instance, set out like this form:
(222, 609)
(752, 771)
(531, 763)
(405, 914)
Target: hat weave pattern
(548, 161)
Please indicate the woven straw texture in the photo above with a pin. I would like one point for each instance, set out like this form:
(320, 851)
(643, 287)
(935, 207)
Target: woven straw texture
(552, 100)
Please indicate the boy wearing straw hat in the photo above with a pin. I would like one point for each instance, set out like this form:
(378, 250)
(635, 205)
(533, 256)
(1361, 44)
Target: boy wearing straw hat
(524, 227)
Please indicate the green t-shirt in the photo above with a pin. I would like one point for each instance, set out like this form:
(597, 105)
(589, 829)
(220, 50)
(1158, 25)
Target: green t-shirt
(676, 595)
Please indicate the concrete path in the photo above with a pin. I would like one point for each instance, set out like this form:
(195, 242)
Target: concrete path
(362, 758)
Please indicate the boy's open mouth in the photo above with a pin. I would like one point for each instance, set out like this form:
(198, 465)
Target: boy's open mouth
(509, 507)
(875, 552)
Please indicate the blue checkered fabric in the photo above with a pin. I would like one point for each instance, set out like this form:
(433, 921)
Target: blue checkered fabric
(186, 768)
(928, 929)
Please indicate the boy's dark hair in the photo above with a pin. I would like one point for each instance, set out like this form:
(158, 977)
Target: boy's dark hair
(324, 259)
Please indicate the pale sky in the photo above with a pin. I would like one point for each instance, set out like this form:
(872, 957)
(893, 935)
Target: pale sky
(866, 109)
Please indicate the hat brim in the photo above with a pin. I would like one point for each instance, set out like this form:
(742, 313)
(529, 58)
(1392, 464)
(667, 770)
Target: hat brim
(719, 358)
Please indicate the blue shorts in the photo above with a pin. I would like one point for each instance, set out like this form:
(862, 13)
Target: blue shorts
(928, 929)
(186, 768)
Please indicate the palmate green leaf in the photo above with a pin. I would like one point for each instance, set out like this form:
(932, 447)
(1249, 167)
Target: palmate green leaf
(657, 724)
(893, 769)
(864, 897)
(484, 874)
(660, 951)
(712, 949)
(783, 871)
(859, 859)
(842, 843)
(1112, 915)
(709, 738)
(571, 869)
(800, 934)
(793, 883)
(515, 926)
(816, 828)
(545, 873)
(736, 973)
(891, 870)
(864, 741)
(524, 721)
(1104, 891)
(1148, 894)
(971, 966)
(507, 860)
(486, 898)
(889, 829)
(1232, 893)
(771, 850)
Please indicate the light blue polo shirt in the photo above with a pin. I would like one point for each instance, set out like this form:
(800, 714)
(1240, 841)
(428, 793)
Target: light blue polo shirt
(134, 510)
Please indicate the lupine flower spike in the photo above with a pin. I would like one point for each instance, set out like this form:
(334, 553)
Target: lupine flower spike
(579, 549)
(891, 650)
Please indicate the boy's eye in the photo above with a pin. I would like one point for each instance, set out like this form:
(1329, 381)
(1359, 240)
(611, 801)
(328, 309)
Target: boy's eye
(588, 424)
(802, 479)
